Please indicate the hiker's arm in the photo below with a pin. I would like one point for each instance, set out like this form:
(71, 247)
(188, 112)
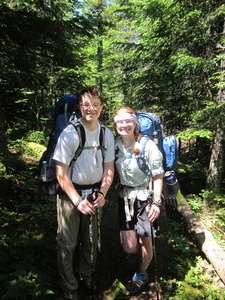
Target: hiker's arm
(107, 179)
(66, 184)
(157, 186)
(154, 211)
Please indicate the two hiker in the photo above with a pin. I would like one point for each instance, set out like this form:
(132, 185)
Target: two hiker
(92, 174)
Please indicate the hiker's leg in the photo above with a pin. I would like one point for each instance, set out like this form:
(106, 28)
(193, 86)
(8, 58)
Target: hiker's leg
(128, 237)
(86, 247)
(140, 277)
(129, 241)
(146, 251)
(131, 247)
(143, 227)
(67, 233)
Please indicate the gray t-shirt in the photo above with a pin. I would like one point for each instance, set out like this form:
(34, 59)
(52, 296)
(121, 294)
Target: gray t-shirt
(88, 168)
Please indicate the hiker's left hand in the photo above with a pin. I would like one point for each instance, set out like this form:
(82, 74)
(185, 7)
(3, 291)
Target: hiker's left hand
(153, 212)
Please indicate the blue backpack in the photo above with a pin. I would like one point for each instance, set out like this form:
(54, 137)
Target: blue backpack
(151, 128)
(66, 113)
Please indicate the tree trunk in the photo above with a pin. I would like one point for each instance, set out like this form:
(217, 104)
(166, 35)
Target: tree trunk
(216, 165)
(204, 239)
(4, 152)
(215, 171)
(100, 55)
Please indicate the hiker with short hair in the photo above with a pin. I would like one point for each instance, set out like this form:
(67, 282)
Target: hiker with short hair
(90, 173)
(135, 214)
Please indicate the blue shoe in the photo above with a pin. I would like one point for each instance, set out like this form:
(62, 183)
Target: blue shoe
(139, 279)
(134, 286)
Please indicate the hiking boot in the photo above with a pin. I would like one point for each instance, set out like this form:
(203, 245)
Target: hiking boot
(90, 285)
(134, 286)
(70, 295)
(139, 279)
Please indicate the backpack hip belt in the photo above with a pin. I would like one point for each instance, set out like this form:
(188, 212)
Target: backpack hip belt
(83, 187)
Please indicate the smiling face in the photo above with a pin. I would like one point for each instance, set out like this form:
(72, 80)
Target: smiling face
(125, 127)
(125, 122)
(90, 107)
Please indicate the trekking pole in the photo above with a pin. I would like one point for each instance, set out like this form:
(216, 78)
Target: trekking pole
(92, 250)
(99, 251)
(90, 198)
(99, 245)
(155, 258)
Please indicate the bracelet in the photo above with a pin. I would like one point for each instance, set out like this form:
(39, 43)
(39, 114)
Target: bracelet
(79, 201)
(101, 193)
(157, 202)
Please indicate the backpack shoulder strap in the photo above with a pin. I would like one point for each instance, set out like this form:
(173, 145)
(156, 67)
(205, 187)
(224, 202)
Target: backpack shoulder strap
(141, 157)
(142, 141)
(102, 139)
(82, 138)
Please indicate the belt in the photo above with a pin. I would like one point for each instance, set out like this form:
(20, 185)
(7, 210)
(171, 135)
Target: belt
(80, 187)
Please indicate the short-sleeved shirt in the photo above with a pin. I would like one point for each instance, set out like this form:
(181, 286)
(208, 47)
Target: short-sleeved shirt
(88, 168)
(129, 171)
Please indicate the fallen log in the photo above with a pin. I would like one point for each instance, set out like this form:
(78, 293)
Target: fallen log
(204, 239)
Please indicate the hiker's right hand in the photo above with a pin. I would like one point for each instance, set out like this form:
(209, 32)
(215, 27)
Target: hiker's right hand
(86, 208)
(153, 212)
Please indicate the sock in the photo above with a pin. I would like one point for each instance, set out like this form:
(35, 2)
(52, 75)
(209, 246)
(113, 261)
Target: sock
(141, 275)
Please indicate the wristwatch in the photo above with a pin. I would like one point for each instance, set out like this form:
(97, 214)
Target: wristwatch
(79, 201)
(157, 201)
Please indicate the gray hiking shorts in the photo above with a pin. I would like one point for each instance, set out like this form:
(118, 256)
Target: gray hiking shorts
(139, 219)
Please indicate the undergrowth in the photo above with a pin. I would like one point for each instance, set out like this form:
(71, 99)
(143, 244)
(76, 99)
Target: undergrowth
(210, 207)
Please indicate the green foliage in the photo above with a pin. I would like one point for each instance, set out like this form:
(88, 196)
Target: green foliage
(180, 253)
(211, 204)
(33, 76)
(211, 197)
(186, 271)
(33, 149)
(116, 292)
(195, 132)
(27, 245)
(28, 283)
(160, 56)
(197, 284)
(31, 144)
(195, 201)
(36, 137)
